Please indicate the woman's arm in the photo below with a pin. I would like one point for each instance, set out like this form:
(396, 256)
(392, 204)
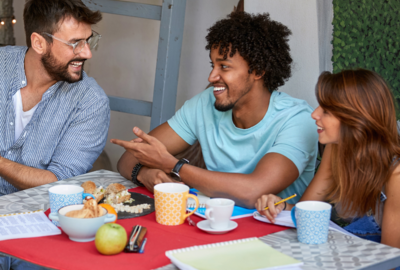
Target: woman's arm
(322, 180)
(391, 211)
(316, 191)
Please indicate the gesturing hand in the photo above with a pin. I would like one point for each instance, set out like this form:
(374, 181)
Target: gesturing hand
(149, 151)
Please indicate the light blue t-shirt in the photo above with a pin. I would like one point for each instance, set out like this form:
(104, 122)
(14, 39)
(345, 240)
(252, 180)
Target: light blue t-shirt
(287, 128)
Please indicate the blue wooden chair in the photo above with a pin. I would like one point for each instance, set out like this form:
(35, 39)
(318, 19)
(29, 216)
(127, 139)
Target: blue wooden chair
(172, 17)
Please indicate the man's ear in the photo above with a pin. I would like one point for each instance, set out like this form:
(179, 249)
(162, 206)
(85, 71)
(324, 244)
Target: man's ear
(259, 76)
(38, 43)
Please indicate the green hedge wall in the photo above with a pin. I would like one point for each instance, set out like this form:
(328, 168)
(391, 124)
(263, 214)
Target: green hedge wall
(366, 34)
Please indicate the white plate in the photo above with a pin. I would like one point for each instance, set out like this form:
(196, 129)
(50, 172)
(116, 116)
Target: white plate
(204, 225)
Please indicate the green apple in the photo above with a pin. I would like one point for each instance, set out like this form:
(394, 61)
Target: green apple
(110, 239)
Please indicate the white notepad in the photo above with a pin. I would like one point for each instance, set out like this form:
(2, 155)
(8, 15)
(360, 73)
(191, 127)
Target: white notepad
(26, 225)
(243, 254)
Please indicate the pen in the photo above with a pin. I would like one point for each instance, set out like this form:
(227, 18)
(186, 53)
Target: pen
(142, 248)
(281, 201)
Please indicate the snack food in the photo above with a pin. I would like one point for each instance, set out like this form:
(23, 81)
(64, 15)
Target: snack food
(134, 209)
(90, 187)
(117, 193)
(90, 210)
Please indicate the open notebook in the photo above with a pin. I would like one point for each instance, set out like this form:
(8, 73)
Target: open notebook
(244, 254)
(284, 219)
(238, 212)
(26, 225)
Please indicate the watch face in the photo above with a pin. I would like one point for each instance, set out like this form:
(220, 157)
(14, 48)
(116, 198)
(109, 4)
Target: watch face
(175, 176)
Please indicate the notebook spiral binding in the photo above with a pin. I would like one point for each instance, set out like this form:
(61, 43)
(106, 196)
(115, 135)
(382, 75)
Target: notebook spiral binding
(210, 245)
(201, 210)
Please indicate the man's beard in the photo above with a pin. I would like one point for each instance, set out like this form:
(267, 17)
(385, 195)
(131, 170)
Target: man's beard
(229, 106)
(58, 71)
(223, 107)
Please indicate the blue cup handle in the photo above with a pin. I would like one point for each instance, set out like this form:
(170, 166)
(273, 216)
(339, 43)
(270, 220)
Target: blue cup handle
(292, 213)
(88, 194)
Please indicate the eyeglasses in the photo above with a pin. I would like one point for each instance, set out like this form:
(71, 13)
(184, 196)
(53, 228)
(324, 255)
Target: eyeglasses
(78, 46)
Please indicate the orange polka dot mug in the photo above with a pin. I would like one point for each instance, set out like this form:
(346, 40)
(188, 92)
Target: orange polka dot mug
(170, 201)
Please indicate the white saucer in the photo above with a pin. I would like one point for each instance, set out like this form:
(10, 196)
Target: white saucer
(204, 225)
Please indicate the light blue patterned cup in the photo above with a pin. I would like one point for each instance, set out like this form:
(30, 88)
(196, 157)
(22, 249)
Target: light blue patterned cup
(311, 218)
(63, 195)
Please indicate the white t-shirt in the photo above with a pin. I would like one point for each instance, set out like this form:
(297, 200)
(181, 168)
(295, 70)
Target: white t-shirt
(21, 118)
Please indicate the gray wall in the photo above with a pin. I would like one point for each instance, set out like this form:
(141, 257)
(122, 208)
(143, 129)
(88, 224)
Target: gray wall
(311, 25)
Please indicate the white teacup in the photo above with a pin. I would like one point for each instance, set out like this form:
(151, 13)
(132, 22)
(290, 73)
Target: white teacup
(219, 212)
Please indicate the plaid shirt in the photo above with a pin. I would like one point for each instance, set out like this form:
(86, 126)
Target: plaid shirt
(68, 130)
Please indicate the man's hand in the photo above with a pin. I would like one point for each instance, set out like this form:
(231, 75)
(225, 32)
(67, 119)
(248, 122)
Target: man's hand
(151, 177)
(149, 151)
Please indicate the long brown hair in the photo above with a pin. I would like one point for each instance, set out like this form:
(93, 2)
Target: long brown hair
(363, 159)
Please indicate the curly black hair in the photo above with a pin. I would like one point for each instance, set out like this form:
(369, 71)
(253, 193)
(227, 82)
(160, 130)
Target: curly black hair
(262, 42)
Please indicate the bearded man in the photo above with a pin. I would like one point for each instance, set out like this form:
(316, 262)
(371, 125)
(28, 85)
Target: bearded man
(54, 119)
(254, 140)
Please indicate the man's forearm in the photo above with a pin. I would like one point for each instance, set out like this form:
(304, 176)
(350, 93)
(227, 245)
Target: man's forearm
(24, 177)
(234, 186)
(125, 165)
(273, 174)
(244, 189)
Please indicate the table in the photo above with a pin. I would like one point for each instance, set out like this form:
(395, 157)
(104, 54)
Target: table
(340, 252)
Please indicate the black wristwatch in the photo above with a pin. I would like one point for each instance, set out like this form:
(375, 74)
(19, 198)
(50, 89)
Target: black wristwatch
(135, 173)
(175, 171)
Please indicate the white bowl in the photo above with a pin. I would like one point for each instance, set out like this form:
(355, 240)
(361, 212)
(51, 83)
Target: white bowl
(80, 229)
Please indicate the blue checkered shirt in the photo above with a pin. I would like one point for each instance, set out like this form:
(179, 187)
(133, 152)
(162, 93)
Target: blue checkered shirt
(67, 131)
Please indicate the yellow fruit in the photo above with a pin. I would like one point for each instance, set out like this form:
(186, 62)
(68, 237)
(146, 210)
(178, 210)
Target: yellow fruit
(110, 239)
(110, 210)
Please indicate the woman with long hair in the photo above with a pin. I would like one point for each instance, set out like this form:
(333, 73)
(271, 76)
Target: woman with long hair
(359, 171)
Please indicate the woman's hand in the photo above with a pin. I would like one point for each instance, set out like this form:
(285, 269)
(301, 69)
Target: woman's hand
(269, 200)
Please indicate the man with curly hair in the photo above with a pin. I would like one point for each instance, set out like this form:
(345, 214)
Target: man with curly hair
(254, 139)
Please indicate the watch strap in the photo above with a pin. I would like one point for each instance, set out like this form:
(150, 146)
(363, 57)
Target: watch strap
(135, 173)
(178, 166)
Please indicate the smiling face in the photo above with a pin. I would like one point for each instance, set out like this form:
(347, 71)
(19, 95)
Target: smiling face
(231, 80)
(328, 126)
(60, 62)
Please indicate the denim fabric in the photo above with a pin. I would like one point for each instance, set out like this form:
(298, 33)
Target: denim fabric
(7, 263)
(366, 228)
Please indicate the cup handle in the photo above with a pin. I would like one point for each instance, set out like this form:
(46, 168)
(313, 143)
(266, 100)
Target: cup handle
(292, 213)
(54, 216)
(197, 204)
(88, 194)
(110, 218)
(208, 214)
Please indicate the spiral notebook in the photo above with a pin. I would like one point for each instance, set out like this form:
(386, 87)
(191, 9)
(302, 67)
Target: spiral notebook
(243, 254)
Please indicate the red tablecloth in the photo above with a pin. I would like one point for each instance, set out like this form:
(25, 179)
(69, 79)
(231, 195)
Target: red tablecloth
(61, 253)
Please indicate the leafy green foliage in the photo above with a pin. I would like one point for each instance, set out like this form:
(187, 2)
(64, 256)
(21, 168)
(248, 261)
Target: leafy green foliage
(366, 34)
